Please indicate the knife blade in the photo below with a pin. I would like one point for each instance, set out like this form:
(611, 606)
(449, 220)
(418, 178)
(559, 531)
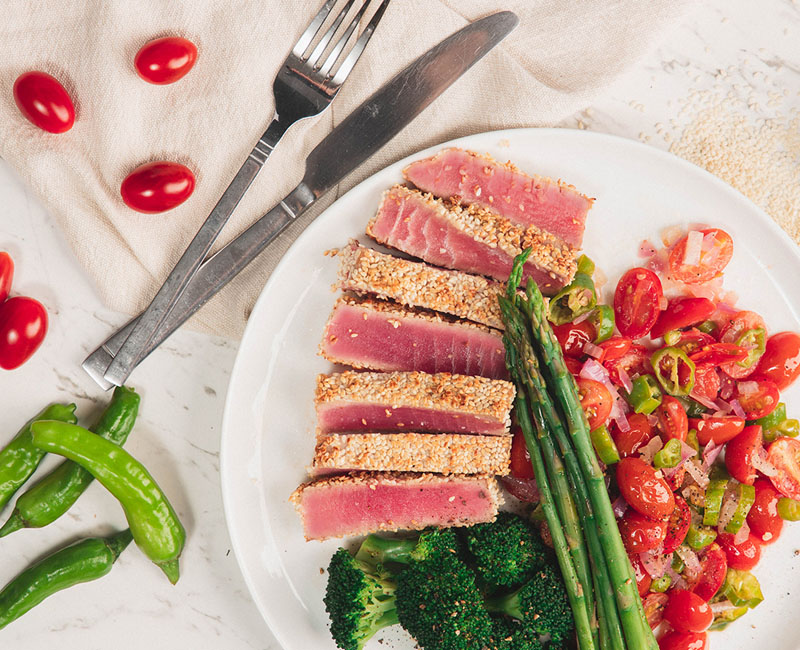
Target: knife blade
(362, 133)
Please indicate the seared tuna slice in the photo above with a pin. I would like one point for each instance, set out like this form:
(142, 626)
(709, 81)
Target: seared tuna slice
(365, 503)
(469, 239)
(440, 453)
(413, 401)
(382, 335)
(552, 206)
(415, 284)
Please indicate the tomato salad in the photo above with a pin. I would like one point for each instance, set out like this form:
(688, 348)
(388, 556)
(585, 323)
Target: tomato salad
(682, 395)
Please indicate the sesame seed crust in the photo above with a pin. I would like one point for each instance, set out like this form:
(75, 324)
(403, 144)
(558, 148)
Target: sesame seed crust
(442, 453)
(416, 284)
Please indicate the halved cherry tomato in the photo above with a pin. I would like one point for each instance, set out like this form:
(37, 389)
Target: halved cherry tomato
(682, 312)
(718, 353)
(713, 567)
(643, 579)
(520, 459)
(23, 325)
(643, 490)
(630, 441)
(614, 348)
(678, 525)
(736, 327)
(692, 339)
(714, 257)
(522, 489)
(706, 382)
(574, 336)
(157, 186)
(6, 274)
(784, 455)
(675, 479)
(639, 533)
(743, 556)
(165, 60)
(637, 302)
(687, 612)
(764, 521)
(684, 641)
(672, 420)
(635, 362)
(781, 359)
(740, 451)
(573, 365)
(44, 102)
(720, 429)
(595, 400)
(653, 605)
(761, 400)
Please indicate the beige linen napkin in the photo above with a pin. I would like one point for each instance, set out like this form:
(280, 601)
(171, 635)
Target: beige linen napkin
(560, 56)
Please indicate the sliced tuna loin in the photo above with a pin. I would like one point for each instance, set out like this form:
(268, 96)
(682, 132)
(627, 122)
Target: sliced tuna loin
(441, 453)
(415, 284)
(413, 401)
(469, 239)
(381, 335)
(552, 206)
(365, 503)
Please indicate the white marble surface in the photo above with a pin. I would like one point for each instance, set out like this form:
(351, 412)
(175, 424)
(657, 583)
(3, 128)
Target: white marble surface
(743, 47)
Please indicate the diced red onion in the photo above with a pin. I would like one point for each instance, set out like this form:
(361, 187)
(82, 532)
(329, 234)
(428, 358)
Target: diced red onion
(698, 226)
(725, 308)
(625, 379)
(649, 450)
(709, 239)
(690, 559)
(727, 386)
(694, 247)
(593, 350)
(652, 420)
(646, 249)
(723, 407)
(582, 317)
(671, 235)
(701, 399)
(760, 462)
(747, 387)
(737, 408)
(677, 579)
(696, 472)
(722, 607)
(622, 422)
(619, 507)
(599, 279)
(710, 454)
(687, 451)
(730, 502)
(742, 534)
(731, 297)
(593, 370)
(655, 562)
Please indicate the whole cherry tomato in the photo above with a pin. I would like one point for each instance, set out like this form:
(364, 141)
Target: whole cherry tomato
(637, 436)
(640, 534)
(44, 102)
(684, 641)
(784, 454)
(713, 568)
(743, 556)
(643, 579)
(740, 451)
(157, 187)
(643, 490)
(6, 274)
(716, 253)
(672, 420)
(520, 459)
(764, 521)
(23, 324)
(574, 336)
(678, 525)
(733, 332)
(680, 313)
(687, 612)
(720, 429)
(595, 400)
(165, 60)
(781, 359)
(637, 302)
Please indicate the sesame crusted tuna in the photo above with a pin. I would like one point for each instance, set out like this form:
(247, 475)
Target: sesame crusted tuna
(382, 335)
(470, 239)
(552, 206)
(415, 284)
(413, 401)
(441, 453)
(364, 503)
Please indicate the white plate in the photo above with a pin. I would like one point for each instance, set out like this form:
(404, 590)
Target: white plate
(268, 426)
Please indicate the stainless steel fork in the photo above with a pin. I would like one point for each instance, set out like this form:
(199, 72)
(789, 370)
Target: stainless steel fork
(305, 85)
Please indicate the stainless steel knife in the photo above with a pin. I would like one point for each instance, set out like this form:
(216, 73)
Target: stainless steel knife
(370, 126)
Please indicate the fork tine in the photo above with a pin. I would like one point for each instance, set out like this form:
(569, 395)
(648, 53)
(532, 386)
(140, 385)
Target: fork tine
(320, 48)
(313, 27)
(354, 54)
(325, 68)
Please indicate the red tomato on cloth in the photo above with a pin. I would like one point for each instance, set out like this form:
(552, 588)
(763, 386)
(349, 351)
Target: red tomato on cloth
(44, 102)
(165, 60)
(157, 187)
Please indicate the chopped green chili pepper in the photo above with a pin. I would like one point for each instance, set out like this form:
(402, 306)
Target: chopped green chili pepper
(742, 588)
(715, 492)
(724, 619)
(755, 342)
(674, 370)
(693, 408)
(699, 537)
(747, 497)
(669, 455)
(789, 509)
(677, 563)
(660, 585)
(645, 396)
(708, 327)
(83, 561)
(154, 524)
(602, 318)
(789, 428)
(672, 337)
(20, 458)
(604, 445)
(54, 494)
(776, 417)
(585, 265)
(692, 441)
(575, 299)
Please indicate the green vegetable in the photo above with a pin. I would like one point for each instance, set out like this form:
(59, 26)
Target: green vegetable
(602, 318)
(715, 492)
(669, 455)
(585, 265)
(645, 395)
(708, 327)
(699, 537)
(693, 408)
(755, 342)
(153, 522)
(746, 499)
(509, 634)
(20, 458)
(604, 445)
(789, 428)
(575, 299)
(777, 416)
(54, 494)
(672, 337)
(660, 585)
(83, 561)
(667, 363)
(789, 509)
(692, 441)
(742, 588)
(677, 563)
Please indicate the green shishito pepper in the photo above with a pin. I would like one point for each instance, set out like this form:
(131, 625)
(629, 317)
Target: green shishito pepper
(83, 561)
(755, 342)
(742, 588)
(746, 498)
(645, 396)
(577, 298)
(604, 445)
(708, 327)
(789, 509)
(789, 428)
(723, 620)
(715, 492)
(698, 537)
(669, 455)
(693, 408)
(54, 494)
(777, 416)
(660, 585)
(585, 265)
(674, 371)
(602, 318)
(20, 458)
(154, 524)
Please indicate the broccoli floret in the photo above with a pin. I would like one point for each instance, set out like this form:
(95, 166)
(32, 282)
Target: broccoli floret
(358, 600)
(506, 552)
(512, 635)
(380, 551)
(541, 604)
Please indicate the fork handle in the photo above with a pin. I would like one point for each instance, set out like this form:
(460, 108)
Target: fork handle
(143, 331)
